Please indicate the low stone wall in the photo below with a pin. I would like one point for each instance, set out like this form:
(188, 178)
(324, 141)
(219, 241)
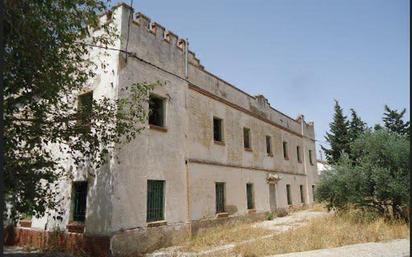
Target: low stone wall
(143, 240)
(75, 243)
(198, 226)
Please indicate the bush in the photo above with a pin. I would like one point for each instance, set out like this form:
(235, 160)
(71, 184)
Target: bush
(377, 181)
(269, 216)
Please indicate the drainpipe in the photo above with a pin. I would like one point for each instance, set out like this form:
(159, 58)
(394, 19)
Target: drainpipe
(186, 57)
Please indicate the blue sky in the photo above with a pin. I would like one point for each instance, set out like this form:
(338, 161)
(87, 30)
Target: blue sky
(301, 54)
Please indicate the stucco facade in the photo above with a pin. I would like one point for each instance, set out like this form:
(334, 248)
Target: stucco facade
(184, 153)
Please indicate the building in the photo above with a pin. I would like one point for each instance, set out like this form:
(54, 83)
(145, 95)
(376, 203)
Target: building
(210, 153)
(323, 166)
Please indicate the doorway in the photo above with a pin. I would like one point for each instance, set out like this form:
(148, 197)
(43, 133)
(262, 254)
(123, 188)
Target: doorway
(272, 197)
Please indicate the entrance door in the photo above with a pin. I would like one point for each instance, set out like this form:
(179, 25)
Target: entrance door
(272, 196)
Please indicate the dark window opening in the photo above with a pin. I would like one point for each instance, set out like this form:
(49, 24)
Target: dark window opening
(285, 150)
(298, 153)
(313, 192)
(302, 197)
(249, 194)
(155, 200)
(289, 197)
(246, 138)
(268, 145)
(310, 157)
(217, 129)
(85, 108)
(156, 111)
(220, 197)
(79, 201)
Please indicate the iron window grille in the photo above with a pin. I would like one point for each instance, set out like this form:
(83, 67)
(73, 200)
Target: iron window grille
(155, 200)
(220, 197)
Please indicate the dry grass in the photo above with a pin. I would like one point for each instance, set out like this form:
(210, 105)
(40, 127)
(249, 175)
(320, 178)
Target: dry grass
(327, 232)
(224, 234)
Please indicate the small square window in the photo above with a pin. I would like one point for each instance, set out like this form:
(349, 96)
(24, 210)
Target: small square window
(246, 138)
(217, 129)
(156, 111)
(269, 145)
(285, 150)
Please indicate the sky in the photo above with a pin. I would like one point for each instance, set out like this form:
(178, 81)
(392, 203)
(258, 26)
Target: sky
(301, 54)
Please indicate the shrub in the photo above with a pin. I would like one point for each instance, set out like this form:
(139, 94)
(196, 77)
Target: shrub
(375, 182)
(269, 216)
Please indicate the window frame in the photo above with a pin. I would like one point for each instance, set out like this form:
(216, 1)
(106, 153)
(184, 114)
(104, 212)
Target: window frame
(302, 195)
(151, 215)
(79, 217)
(285, 150)
(163, 113)
(289, 195)
(298, 154)
(220, 200)
(249, 137)
(221, 130)
(269, 145)
(250, 196)
(310, 157)
(84, 120)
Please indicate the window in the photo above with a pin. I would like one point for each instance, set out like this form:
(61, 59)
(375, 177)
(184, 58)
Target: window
(302, 197)
(246, 138)
(285, 150)
(156, 111)
(313, 192)
(298, 153)
(310, 157)
(220, 197)
(249, 194)
(289, 197)
(155, 200)
(217, 129)
(84, 107)
(79, 201)
(268, 145)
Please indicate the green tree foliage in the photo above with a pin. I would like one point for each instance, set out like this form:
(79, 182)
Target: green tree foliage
(378, 182)
(338, 137)
(356, 128)
(393, 120)
(46, 67)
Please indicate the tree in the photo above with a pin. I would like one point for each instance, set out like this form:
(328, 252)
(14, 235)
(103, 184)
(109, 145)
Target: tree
(46, 67)
(356, 128)
(393, 121)
(379, 182)
(338, 137)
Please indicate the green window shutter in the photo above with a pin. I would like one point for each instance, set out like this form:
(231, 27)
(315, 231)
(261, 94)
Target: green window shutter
(79, 200)
(155, 200)
(220, 197)
(250, 200)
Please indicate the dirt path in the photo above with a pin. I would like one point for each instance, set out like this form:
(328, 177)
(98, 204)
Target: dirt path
(395, 248)
(277, 225)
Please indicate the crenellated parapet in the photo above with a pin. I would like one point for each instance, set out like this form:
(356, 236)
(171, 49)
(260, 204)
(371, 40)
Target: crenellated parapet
(163, 34)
